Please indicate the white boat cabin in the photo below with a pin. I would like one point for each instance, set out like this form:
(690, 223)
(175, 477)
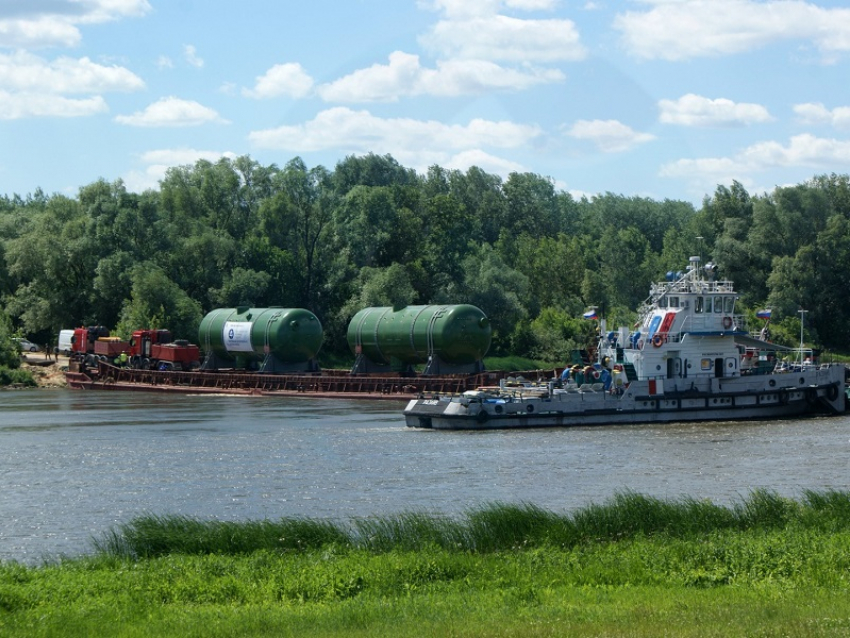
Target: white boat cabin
(686, 330)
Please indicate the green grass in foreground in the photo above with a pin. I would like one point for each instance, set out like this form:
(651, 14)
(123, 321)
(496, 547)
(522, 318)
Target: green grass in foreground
(634, 566)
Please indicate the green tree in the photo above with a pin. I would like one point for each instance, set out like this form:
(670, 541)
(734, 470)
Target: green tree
(829, 311)
(482, 198)
(371, 170)
(372, 230)
(241, 287)
(554, 268)
(380, 287)
(448, 230)
(10, 357)
(296, 220)
(54, 262)
(531, 205)
(494, 287)
(157, 302)
(557, 332)
(627, 266)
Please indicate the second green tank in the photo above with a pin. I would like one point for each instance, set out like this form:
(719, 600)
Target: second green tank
(457, 334)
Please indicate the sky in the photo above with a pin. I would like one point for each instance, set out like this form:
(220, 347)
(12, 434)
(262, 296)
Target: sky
(665, 99)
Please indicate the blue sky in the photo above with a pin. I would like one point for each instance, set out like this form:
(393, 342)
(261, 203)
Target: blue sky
(652, 98)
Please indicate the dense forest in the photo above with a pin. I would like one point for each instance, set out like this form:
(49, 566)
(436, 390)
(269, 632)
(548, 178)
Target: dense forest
(372, 232)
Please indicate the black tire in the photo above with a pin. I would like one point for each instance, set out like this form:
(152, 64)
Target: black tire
(482, 416)
(811, 395)
(832, 392)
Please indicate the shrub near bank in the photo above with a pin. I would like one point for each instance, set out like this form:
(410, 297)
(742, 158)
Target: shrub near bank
(634, 566)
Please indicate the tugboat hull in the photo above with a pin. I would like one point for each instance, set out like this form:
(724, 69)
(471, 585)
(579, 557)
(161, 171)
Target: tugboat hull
(822, 393)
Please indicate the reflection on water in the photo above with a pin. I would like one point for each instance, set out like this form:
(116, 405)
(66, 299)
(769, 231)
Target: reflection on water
(76, 463)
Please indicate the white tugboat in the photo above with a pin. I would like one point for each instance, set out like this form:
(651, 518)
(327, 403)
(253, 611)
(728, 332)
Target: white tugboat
(690, 358)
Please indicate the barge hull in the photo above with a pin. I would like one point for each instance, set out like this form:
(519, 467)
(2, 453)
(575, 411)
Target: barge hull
(330, 384)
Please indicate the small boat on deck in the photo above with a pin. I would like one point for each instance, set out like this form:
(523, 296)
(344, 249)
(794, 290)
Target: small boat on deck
(689, 358)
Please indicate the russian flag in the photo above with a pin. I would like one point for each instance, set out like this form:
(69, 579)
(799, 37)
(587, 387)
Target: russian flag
(591, 314)
(764, 314)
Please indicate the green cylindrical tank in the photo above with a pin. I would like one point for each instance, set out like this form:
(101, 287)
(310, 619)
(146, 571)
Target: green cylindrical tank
(243, 335)
(457, 334)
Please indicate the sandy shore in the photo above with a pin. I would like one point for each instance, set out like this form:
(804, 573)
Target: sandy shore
(48, 373)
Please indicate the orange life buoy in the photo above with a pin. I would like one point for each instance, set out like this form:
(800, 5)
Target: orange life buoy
(727, 322)
(657, 341)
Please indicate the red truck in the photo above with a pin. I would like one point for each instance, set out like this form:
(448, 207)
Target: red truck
(156, 350)
(146, 349)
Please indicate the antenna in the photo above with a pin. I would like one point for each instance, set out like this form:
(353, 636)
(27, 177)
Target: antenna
(802, 318)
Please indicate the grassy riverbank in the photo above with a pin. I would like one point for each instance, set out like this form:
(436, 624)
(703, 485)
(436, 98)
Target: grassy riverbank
(634, 566)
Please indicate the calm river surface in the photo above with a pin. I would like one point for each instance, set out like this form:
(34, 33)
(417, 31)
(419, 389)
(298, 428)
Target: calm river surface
(74, 463)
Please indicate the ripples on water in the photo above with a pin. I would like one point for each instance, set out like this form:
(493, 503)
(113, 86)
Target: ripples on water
(77, 463)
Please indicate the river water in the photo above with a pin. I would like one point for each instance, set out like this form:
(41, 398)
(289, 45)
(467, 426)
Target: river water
(75, 463)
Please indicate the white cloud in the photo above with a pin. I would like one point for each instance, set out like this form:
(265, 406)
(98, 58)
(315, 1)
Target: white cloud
(485, 161)
(362, 131)
(469, 8)
(172, 111)
(14, 106)
(610, 136)
(473, 47)
(159, 161)
(290, 80)
(192, 57)
(505, 38)
(47, 24)
(29, 73)
(695, 110)
(405, 77)
(697, 28)
(34, 87)
(802, 151)
(816, 113)
(418, 143)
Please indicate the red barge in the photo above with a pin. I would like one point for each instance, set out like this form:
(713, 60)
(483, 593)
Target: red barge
(336, 384)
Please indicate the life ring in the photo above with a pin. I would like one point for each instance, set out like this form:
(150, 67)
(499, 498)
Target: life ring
(727, 322)
(658, 341)
(596, 374)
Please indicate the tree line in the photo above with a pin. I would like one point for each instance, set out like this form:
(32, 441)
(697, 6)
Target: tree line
(372, 232)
